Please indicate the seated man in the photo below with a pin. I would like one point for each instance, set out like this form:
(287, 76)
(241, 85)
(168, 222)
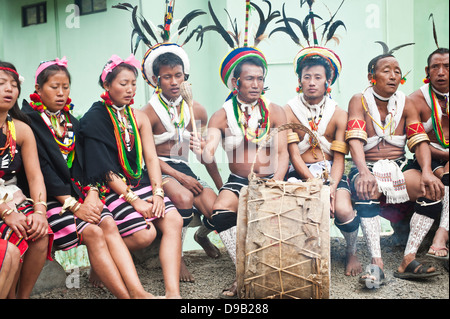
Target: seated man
(172, 126)
(431, 101)
(244, 121)
(314, 109)
(380, 122)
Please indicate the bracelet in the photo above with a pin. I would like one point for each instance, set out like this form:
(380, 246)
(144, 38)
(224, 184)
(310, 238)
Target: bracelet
(38, 212)
(75, 209)
(356, 134)
(159, 192)
(130, 196)
(6, 212)
(340, 147)
(417, 139)
(69, 203)
(93, 188)
(40, 203)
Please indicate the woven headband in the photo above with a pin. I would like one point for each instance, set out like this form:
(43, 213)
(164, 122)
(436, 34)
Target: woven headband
(232, 60)
(330, 57)
(154, 52)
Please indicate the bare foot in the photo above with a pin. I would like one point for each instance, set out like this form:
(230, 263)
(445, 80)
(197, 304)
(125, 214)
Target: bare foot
(210, 250)
(353, 266)
(185, 275)
(230, 292)
(439, 246)
(95, 280)
(145, 295)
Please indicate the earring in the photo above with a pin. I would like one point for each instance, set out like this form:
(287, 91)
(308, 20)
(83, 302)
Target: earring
(299, 89)
(426, 80)
(373, 82)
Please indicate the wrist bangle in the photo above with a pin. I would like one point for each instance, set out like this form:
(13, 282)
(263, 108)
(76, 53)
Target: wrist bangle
(130, 196)
(6, 212)
(38, 212)
(159, 192)
(69, 203)
(40, 203)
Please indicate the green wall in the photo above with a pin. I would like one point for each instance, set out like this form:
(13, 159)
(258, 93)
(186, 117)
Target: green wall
(100, 35)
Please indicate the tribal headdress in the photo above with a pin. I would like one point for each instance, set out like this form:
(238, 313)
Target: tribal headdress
(315, 50)
(233, 39)
(159, 39)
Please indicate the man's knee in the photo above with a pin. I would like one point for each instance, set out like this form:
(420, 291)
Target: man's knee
(428, 207)
(367, 208)
(224, 219)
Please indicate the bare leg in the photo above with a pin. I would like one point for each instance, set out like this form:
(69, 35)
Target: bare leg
(101, 260)
(34, 260)
(345, 214)
(170, 251)
(204, 203)
(123, 260)
(9, 270)
(183, 199)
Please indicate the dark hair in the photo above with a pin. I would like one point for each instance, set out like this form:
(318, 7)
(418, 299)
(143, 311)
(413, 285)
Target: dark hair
(252, 60)
(48, 72)
(371, 68)
(15, 111)
(167, 59)
(437, 51)
(113, 74)
(313, 61)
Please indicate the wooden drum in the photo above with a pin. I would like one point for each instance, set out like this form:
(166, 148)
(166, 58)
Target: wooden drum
(283, 240)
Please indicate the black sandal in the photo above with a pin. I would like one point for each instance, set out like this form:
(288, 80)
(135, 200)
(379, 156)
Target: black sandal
(415, 270)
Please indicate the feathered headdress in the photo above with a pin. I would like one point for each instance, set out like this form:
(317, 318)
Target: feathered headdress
(233, 38)
(329, 30)
(159, 39)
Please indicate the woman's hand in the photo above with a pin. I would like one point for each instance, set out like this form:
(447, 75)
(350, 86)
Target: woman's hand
(18, 223)
(89, 212)
(38, 225)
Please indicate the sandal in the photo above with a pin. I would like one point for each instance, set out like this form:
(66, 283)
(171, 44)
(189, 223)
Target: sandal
(374, 277)
(415, 270)
(432, 252)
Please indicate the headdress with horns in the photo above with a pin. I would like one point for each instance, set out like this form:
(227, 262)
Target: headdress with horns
(315, 50)
(146, 32)
(233, 39)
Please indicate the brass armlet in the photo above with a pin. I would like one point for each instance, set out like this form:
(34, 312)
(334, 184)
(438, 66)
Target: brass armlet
(293, 138)
(417, 139)
(356, 134)
(69, 204)
(340, 147)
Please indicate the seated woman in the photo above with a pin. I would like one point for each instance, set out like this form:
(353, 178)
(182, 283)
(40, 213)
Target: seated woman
(75, 213)
(9, 264)
(22, 223)
(118, 141)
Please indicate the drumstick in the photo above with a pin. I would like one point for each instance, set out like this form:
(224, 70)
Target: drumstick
(186, 93)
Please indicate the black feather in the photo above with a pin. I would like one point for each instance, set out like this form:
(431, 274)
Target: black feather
(137, 27)
(148, 29)
(123, 6)
(263, 21)
(191, 35)
(399, 47)
(234, 25)
(218, 28)
(289, 30)
(188, 18)
(201, 34)
(434, 30)
(333, 28)
(328, 23)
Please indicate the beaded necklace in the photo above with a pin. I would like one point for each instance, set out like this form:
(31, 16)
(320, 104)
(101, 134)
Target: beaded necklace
(437, 126)
(119, 132)
(65, 139)
(390, 115)
(10, 139)
(314, 123)
(252, 135)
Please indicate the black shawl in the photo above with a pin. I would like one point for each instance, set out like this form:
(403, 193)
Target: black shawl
(57, 176)
(101, 153)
